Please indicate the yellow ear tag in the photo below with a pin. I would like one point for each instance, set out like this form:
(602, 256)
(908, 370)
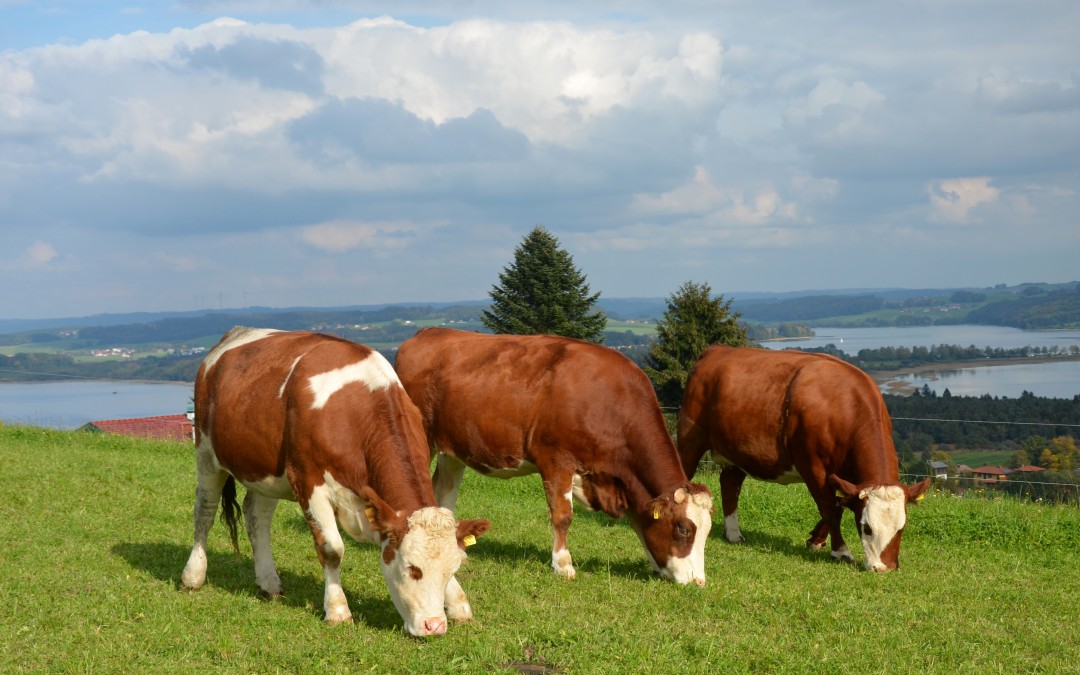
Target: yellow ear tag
(369, 513)
(469, 540)
(840, 494)
(656, 513)
(920, 498)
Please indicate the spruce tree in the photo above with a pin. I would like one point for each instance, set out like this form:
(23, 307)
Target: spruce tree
(692, 321)
(542, 292)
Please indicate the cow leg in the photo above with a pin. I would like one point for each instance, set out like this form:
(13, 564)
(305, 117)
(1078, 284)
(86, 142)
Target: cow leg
(731, 480)
(818, 535)
(208, 488)
(258, 513)
(831, 514)
(449, 471)
(319, 513)
(456, 603)
(559, 490)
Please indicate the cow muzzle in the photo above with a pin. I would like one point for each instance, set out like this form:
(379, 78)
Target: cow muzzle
(435, 625)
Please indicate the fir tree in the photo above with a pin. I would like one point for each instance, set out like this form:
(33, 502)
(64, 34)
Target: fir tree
(542, 292)
(693, 321)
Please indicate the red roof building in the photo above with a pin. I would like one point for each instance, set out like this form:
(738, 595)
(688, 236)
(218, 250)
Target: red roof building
(1029, 468)
(162, 427)
(985, 474)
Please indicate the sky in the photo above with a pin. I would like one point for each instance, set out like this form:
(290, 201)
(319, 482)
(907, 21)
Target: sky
(205, 154)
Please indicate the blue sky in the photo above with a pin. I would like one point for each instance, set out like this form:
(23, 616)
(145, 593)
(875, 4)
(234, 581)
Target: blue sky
(186, 155)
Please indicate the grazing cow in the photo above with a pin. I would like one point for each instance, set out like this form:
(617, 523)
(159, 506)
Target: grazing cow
(325, 422)
(583, 416)
(792, 417)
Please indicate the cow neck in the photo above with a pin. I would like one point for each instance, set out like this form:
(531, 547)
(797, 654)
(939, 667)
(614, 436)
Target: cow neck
(657, 471)
(873, 458)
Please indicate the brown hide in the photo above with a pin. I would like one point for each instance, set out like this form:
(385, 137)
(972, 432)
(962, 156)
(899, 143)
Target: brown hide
(766, 413)
(257, 409)
(565, 406)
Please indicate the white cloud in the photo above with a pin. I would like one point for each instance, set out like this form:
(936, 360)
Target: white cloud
(341, 236)
(40, 253)
(723, 205)
(952, 200)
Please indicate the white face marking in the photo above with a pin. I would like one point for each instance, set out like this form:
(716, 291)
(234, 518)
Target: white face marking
(430, 547)
(885, 514)
(523, 469)
(692, 567)
(374, 372)
(237, 337)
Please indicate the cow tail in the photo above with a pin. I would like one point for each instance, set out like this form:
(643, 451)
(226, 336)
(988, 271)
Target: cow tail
(230, 510)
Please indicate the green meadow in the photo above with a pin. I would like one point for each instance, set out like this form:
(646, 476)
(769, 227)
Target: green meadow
(95, 530)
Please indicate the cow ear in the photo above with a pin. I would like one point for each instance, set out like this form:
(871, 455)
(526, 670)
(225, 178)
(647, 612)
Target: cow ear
(380, 514)
(915, 492)
(844, 490)
(469, 530)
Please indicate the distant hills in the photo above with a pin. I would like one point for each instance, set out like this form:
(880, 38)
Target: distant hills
(1029, 305)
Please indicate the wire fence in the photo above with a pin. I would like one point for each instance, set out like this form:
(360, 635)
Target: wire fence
(1022, 486)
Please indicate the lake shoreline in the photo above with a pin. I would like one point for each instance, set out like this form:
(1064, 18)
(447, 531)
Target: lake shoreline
(887, 378)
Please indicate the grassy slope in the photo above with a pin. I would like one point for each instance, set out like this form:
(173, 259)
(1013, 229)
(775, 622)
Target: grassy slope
(96, 529)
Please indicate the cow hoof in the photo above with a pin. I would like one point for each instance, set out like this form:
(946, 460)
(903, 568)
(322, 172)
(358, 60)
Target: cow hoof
(567, 572)
(270, 595)
(815, 545)
(339, 617)
(460, 614)
(736, 540)
(843, 555)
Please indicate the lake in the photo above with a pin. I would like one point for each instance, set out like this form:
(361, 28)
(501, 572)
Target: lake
(1059, 379)
(851, 340)
(71, 404)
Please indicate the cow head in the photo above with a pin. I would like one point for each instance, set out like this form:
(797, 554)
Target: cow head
(674, 528)
(420, 554)
(880, 516)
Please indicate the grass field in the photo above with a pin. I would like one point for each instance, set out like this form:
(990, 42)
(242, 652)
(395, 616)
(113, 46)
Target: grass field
(95, 530)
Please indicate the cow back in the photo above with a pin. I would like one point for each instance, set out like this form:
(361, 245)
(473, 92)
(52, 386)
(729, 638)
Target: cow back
(769, 411)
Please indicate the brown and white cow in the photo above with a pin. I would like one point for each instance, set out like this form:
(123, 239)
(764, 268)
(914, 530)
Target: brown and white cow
(582, 415)
(325, 422)
(789, 417)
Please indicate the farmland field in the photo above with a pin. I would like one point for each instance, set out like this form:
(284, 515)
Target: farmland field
(96, 529)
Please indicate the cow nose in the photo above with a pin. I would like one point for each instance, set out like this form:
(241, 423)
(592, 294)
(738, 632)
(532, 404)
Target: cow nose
(700, 581)
(436, 625)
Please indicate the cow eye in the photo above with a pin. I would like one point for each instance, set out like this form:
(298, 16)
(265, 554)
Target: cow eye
(416, 573)
(682, 530)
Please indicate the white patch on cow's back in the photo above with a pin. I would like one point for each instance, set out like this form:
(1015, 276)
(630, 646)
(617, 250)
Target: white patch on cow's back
(237, 337)
(374, 372)
(288, 376)
(886, 514)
